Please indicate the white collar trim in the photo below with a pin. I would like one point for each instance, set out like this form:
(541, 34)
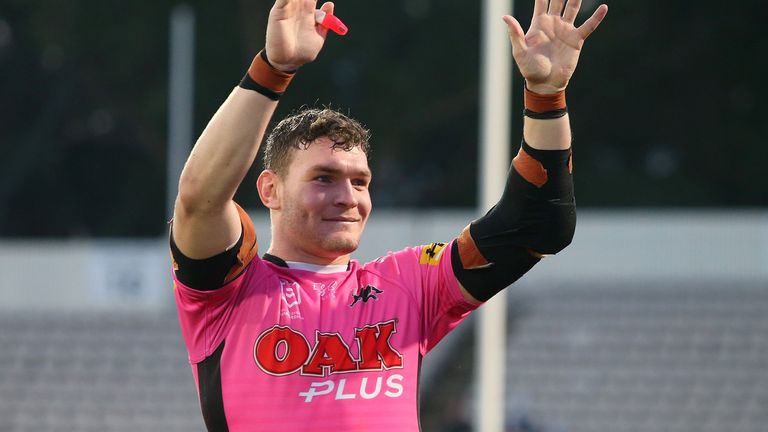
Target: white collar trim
(317, 268)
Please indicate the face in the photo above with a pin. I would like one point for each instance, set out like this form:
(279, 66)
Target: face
(322, 204)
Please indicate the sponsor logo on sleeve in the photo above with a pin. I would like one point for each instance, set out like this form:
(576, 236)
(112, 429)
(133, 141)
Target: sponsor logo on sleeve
(430, 254)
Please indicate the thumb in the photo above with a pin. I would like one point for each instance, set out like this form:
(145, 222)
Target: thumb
(327, 7)
(516, 34)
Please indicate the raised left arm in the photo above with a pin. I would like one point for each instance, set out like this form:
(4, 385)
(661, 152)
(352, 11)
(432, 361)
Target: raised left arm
(547, 56)
(536, 215)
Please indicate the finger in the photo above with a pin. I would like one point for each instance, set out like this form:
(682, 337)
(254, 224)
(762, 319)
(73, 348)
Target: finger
(308, 5)
(516, 34)
(571, 11)
(556, 7)
(540, 7)
(591, 24)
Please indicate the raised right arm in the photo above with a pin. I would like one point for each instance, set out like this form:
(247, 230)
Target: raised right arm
(206, 220)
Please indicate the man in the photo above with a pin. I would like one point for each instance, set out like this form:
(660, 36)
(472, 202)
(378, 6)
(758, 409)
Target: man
(304, 338)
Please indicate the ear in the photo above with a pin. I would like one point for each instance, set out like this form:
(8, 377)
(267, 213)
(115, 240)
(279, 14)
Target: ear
(268, 185)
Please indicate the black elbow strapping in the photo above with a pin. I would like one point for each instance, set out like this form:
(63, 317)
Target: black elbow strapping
(535, 216)
(537, 210)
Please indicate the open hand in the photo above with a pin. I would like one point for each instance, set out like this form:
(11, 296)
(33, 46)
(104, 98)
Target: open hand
(293, 36)
(547, 55)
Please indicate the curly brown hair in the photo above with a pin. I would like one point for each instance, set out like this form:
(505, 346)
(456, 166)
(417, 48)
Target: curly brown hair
(299, 130)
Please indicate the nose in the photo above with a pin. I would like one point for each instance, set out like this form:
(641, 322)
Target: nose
(346, 195)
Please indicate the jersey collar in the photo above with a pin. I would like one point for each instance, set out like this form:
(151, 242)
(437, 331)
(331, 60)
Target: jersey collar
(315, 268)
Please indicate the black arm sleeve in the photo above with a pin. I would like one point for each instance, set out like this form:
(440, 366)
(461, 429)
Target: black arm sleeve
(535, 216)
(484, 282)
(205, 274)
(540, 218)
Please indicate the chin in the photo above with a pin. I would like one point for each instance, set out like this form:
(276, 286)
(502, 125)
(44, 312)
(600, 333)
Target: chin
(339, 245)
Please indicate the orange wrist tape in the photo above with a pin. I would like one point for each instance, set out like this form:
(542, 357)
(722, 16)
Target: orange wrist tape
(544, 102)
(265, 79)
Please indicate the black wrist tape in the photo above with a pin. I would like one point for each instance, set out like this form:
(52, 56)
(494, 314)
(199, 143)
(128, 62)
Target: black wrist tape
(249, 84)
(546, 115)
(265, 79)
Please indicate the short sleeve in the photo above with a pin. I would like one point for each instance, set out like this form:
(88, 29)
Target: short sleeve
(205, 316)
(212, 273)
(443, 305)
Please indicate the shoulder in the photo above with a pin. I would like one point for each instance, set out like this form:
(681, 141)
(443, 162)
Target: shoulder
(409, 258)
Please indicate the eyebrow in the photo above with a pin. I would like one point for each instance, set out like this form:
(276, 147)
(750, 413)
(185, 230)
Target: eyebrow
(336, 171)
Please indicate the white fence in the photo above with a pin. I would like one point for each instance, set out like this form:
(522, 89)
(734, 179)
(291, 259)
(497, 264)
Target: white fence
(730, 246)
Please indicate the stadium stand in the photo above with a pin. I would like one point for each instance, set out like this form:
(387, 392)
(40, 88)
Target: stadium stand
(86, 372)
(639, 357)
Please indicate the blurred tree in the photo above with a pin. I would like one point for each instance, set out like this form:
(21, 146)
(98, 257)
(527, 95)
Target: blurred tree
(665, 104)
(83, 118)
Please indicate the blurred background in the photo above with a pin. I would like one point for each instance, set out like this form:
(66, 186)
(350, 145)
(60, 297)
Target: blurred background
(655, 318)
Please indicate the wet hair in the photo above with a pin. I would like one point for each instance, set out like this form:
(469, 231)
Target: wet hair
(299, 130)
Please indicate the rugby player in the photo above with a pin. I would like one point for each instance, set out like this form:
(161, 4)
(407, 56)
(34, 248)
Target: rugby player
(303, 338)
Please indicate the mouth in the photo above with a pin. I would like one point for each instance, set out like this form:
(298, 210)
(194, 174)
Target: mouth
(342, 219)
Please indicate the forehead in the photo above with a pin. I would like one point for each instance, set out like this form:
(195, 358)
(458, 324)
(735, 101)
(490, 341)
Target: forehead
(320, 153)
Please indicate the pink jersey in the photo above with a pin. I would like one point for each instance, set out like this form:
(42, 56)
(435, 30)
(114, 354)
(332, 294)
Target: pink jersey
(320, 349)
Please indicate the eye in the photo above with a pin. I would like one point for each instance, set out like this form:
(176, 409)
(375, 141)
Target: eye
(360, 182)
(323, 178)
